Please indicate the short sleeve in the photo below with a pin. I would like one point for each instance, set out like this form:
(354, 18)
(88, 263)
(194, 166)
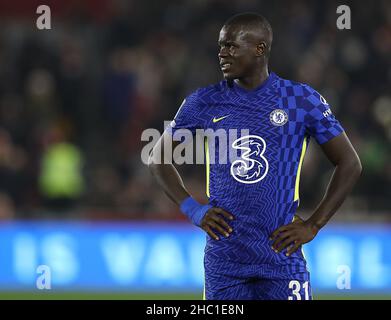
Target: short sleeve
(187, 116)
(319, 120)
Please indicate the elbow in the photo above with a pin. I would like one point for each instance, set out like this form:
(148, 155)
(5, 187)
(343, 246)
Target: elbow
(154, 164)
(151, 163)
(359, 167)
(351, 166)
(355, 167)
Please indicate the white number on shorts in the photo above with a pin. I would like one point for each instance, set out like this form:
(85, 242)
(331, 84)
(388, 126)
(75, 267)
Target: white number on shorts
(306, 295)
(295, 286)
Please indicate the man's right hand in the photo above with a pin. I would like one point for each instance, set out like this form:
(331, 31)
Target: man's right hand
(213, 222)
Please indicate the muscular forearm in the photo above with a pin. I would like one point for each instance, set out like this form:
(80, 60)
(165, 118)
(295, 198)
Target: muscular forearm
(344, 177)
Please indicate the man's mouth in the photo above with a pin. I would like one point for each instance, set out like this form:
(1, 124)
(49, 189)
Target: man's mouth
(225, 66)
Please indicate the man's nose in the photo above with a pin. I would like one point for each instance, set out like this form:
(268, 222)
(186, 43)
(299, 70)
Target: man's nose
(223, 52)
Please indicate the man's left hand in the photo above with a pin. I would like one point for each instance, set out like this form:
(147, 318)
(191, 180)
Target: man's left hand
(293, 235)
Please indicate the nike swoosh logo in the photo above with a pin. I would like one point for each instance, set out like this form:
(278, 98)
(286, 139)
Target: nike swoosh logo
(219, 119)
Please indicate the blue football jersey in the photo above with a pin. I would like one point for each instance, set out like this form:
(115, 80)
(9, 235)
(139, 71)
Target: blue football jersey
(260, 187)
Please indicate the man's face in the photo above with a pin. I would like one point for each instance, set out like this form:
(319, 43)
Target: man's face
(238, 52)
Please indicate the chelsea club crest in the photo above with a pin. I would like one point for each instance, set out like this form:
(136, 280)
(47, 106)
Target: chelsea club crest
(278, 117)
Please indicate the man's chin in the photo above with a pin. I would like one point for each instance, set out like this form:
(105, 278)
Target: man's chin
(228, 76)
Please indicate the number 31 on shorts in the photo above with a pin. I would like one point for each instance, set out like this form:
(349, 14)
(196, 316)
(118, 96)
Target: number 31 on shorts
(296, 287)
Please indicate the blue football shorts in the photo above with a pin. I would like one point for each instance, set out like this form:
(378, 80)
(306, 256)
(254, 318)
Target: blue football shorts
(233, 281)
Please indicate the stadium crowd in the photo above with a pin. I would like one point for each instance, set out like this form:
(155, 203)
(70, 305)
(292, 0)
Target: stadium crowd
(75, 99)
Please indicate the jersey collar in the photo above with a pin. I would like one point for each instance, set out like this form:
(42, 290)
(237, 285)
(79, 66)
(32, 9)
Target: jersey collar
(256, 90)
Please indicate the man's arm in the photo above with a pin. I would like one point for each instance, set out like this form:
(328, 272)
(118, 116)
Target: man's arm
(170, 180)
(165, 173)
(348, 168)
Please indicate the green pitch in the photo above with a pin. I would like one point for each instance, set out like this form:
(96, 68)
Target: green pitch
(52, 295)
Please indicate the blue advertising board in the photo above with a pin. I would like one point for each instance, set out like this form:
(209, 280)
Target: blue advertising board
(169, 257)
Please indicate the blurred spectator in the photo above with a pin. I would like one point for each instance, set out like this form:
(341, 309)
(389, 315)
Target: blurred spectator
(61, 180)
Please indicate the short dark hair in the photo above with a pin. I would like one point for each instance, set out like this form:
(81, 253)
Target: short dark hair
(253, 21)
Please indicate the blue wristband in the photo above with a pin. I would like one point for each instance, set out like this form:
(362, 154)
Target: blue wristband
(194, 210)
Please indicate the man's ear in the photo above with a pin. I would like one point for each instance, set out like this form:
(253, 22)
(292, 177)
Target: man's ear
(261, 49)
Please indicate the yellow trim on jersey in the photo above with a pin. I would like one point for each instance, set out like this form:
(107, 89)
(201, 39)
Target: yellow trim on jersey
(203, 293)
(207, 166)
(303, 150)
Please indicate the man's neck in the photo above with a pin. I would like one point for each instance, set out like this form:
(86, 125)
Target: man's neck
(254, 81)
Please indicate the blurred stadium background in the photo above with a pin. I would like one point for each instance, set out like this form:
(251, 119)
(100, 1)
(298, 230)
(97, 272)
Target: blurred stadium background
(74, 100)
